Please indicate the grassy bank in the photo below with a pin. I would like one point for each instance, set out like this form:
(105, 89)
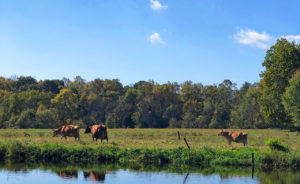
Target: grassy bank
(79, 154)
(150, 147)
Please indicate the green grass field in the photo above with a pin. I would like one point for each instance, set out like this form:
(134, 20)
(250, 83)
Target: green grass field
(155, 138)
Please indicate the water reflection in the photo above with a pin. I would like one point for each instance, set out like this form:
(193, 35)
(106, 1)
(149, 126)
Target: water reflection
(95, 176)
(68, 174)
(279, 177)
(88, 175)
(13, 174)
(186, 177)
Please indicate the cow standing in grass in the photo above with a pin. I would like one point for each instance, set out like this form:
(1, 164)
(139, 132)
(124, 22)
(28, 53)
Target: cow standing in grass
(67, 130)
(238, 137)
(98, 132)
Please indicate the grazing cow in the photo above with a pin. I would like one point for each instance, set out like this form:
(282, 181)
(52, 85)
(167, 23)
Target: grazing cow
(98, 131)
(238, 137)
(67, 130)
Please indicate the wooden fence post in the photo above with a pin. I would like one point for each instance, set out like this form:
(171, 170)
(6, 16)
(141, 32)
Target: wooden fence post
(178, 135)
(186, 143)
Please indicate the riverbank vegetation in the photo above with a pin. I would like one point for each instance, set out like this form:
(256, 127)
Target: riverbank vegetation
(269, 103)
(206, 157)
(153, 147)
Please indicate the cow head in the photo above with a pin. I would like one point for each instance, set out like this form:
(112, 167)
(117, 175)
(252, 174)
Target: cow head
(55, 132)
(222, 133)
(87, 130)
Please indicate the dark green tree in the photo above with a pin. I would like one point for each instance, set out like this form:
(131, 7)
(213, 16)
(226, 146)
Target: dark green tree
(281, 61)
(291, 99)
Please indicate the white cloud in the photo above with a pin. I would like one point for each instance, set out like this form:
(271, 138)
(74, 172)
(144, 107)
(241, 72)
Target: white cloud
(261, 40)
(253, 38)
(156, 6)
(291, 38)
(155, 38)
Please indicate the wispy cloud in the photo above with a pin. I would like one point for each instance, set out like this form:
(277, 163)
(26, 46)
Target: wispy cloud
(261, 40)
(253, 38)
(155, 38)
(291, 38)
(156, 5)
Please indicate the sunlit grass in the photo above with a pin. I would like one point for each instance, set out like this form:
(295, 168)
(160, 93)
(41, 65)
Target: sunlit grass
(154, 138)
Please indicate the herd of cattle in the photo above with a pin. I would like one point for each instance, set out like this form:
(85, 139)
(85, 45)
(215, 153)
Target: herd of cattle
(97, 131)
(100, 132)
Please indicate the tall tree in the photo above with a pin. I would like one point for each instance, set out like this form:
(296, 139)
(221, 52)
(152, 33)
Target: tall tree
(52, 86)
(223, 105)
(291, 98)
(65, 105)
(281, 61)
(25, 83)
(246, 111)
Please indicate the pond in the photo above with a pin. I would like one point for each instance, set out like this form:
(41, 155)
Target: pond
(44, 175)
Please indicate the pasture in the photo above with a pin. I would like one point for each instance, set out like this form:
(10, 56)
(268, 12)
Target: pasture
(154, 138)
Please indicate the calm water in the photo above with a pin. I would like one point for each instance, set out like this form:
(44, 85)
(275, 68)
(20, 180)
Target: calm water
(48, 176)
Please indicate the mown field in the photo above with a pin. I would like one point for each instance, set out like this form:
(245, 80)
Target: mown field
(155, 138)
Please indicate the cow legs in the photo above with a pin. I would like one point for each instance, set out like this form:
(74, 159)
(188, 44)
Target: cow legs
(63, 136)
(107, 140)
(229, 142)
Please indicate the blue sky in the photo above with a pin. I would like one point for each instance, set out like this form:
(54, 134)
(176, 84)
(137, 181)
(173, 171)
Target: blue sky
(204, 41)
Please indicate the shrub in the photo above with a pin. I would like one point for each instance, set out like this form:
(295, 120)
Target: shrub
(275, 144)
(2, 152)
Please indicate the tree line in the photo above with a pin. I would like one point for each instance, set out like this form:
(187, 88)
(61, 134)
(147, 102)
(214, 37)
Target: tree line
(273, 102)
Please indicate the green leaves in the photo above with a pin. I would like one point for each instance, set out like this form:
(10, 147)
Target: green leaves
(281, 61)
(65, 104)
(291, 98)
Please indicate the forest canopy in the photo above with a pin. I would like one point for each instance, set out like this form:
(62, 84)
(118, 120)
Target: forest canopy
(28, 103)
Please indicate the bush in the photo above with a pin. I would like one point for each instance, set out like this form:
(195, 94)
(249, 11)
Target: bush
(2, 152)
(275, 144)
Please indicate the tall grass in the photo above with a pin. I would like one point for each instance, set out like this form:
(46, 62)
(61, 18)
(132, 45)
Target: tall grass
(152, 147)
(155, 138)
(58, 153)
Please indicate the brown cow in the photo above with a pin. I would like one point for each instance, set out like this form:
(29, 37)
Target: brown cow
(238, 137)
(98, 131)
(67, 130)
